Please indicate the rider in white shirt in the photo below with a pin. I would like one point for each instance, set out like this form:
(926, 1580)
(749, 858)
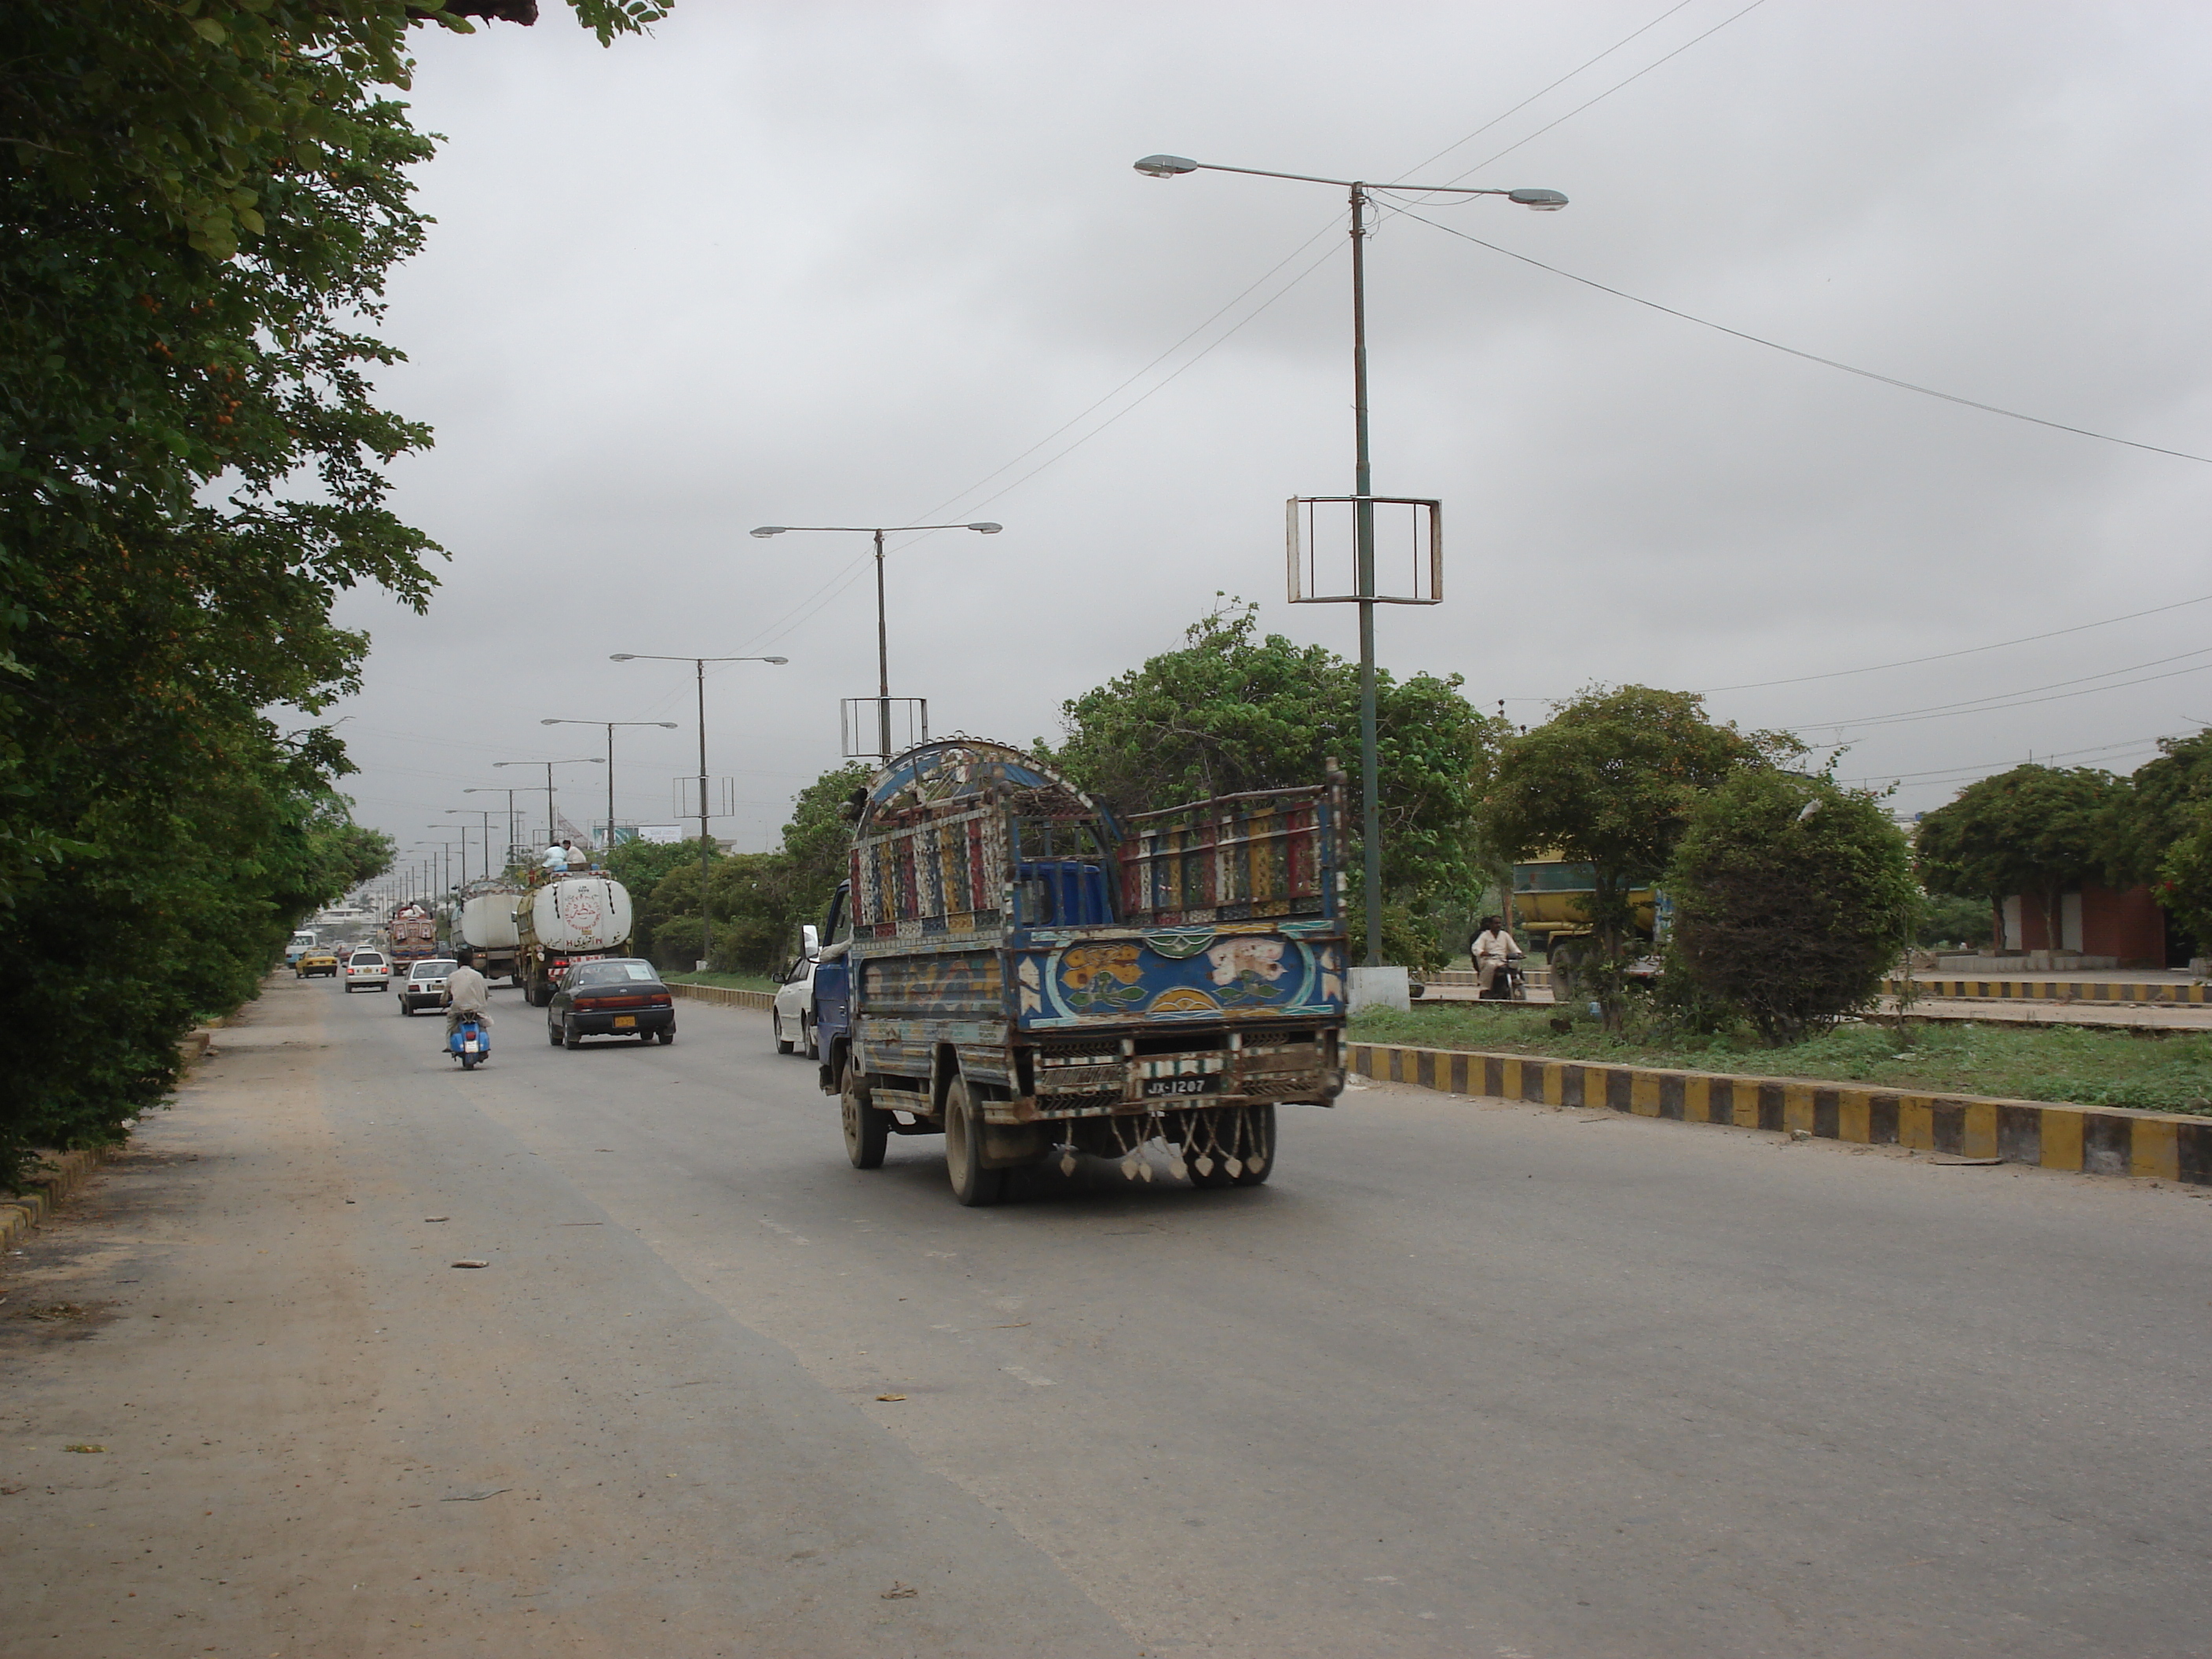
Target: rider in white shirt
(557, 858)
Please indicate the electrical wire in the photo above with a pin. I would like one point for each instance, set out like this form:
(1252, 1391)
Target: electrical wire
(2021, 699)
(1609, 91)
(1945, 656)
(1555, 85)
(1810, 357)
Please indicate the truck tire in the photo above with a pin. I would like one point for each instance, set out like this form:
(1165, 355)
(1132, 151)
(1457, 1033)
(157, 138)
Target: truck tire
(972, 1184)
(1213, 1148)
(867, 1129)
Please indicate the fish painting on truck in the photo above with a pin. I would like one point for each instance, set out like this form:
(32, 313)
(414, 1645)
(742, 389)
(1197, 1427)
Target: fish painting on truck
(1014, 968)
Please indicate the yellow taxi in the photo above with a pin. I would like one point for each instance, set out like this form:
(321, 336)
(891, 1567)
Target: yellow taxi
(316, 959)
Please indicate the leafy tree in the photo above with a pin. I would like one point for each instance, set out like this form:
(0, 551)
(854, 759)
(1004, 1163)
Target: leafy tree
(2184, 878)
(1232, 711)
(1949, 919)
(2157, 806)
(1611, 781)
(199, 200)
(1792, 898)
(2037, 832)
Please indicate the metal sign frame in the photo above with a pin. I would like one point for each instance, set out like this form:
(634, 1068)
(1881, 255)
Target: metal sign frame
(861, 723)
(1298, 539)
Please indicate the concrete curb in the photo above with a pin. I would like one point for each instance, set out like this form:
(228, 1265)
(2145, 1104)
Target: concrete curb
(66, 1172)
(2086, 1140)
(726, 996)
(2044, 990)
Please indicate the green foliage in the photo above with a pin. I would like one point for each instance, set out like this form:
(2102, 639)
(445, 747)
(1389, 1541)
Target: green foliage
(2184, 878)
(1611, 781)
(1231, 712)
(1946, 919)
(2082, 1065)
(759, 899)
(2038, 831)
(198, 203)
(1792, 899)
(2156, 807)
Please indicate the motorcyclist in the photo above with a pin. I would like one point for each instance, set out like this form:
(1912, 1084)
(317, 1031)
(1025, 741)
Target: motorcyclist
(1492, 949)
(467, 993)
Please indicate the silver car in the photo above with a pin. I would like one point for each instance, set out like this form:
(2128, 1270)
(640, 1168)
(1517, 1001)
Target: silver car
(425, 985)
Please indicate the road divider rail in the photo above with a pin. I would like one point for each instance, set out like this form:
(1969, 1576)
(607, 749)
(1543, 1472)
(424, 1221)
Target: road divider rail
(728, 996)
(2053, 990)
(2086, 1140)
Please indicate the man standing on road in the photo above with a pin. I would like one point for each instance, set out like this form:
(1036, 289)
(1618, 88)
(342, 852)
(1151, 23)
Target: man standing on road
(467, 993)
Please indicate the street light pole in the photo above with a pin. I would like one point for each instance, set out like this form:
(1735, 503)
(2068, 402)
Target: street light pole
(883, 626)
(611, 724)
(1370, 809)
(512, 833)
(706, 846)
(552, 830)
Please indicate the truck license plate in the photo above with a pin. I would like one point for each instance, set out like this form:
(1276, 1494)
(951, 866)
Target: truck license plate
(622, 1020)
(1210, 1083)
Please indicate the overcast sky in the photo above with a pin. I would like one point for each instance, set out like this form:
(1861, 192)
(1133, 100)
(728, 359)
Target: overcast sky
(857, 264)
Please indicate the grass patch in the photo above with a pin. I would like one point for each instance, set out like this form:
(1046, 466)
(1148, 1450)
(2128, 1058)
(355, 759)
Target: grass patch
(2075, 1065)
(733, 982)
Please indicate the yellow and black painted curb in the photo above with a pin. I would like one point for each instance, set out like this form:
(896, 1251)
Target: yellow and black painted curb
(727, 996)
(55, 1184)
(2053, 990)
(2089, 1140)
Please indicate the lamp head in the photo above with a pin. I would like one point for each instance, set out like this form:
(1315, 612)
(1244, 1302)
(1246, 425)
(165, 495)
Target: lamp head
(987, 529)
(767, 530)
(670, 725)
(548, 722)
(1543, 200)
(778, 661)
(1166, 166)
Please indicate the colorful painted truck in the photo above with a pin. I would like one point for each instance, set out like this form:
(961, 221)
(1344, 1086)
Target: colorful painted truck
(1010, 967)
(411, 936)
(562, 920)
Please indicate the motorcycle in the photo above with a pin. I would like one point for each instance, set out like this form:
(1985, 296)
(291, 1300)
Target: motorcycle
(1507, 983)
(469, 1042)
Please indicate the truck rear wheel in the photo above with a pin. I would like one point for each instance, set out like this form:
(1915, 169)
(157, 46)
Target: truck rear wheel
(972, 1184)
(867, 1129)
(1256, 1145)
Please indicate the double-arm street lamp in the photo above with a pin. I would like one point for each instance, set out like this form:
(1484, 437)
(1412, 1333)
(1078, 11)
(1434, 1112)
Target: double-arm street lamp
(513, 832)
(882, 629)
(464, 830)
(706, 845)
(474, 812)
(552, 833)
(1542, 201)
(667, 725)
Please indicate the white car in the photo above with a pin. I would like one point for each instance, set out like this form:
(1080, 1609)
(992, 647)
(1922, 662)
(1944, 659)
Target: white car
(367, 970)
(425, 984)
(792, 1017)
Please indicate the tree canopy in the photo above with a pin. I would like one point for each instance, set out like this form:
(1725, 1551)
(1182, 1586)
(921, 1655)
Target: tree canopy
(199, 202)
(1792, 898)
(2038, 831)
(1232, 710)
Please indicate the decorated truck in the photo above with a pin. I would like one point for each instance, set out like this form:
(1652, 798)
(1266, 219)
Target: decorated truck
(565, 919)
(1012, 967)
(410, 937)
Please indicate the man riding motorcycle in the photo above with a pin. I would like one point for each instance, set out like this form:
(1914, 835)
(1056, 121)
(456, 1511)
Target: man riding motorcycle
(467, 992)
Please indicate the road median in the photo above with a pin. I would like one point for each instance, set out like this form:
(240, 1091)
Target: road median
(725, 996)
(2085, 1140)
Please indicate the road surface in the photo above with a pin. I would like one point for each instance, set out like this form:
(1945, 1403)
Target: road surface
(1468, 1378)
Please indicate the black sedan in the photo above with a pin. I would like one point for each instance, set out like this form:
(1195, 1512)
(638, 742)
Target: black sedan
(621, 996)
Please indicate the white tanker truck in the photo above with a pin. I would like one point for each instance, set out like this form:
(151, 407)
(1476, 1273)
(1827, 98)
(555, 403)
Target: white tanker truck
(483, 923)
(565, 919)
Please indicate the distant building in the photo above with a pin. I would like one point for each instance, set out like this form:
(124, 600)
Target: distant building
(2125, 928)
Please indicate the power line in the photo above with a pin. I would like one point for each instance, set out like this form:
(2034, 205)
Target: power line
(1946, 774)
(2021, 699)
(1609, 91)
(1555, 85)
(1944, 656)
(1810, 357)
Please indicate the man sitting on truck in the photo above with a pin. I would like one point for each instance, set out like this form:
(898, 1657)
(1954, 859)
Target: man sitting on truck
(556, 857)
(467, 992)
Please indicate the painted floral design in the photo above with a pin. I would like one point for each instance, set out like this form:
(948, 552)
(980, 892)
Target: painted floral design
(1101, 978)
(1247, 968)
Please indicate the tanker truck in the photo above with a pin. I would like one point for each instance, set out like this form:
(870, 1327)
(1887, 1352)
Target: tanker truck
(484, 924)
(564, 919)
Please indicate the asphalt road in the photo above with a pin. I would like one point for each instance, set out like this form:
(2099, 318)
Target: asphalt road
(1468, 1378)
